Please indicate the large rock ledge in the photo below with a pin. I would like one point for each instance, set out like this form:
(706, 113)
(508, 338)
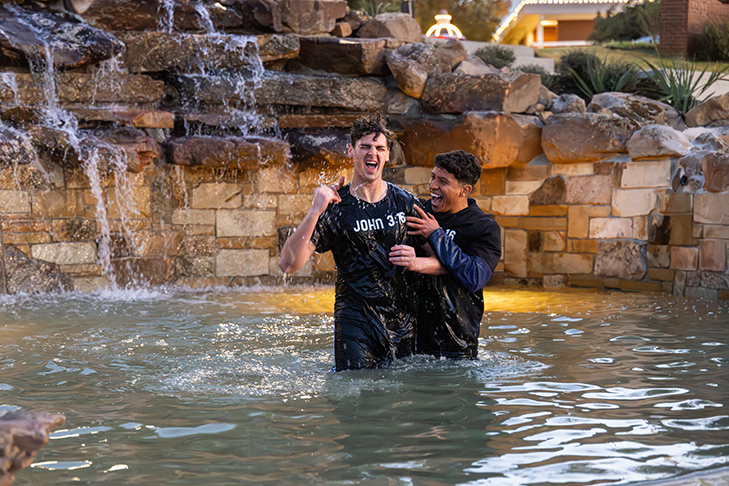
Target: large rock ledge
(159, 51)
(455, 93)
(227, 152)
(497, 139)
(80, 88)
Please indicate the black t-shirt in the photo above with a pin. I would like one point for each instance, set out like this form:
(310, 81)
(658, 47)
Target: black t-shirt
(374, 317)
(451, 312)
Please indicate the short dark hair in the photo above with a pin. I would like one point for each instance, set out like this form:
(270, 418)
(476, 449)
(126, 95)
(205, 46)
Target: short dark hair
(371, 125)
(464, 166)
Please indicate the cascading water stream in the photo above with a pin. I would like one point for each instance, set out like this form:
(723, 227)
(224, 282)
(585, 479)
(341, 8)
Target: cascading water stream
(95, 156)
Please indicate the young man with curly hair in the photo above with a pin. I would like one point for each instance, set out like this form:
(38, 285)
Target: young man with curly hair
(361, 222)
(467, 246)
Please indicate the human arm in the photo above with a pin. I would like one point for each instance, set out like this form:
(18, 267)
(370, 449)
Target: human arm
(298, 247)
(471, 272)
(404, 256)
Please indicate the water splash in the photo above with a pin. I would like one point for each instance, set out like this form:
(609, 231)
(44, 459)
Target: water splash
(166, 16)
(206, 20)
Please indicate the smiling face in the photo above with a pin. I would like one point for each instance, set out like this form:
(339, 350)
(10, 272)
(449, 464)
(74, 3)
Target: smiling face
(369, 154)
(446, 193)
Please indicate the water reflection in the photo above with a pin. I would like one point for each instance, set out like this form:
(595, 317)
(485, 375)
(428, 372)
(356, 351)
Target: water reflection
(171, 387)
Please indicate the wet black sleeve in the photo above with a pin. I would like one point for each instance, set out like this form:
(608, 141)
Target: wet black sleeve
(323, 235)
(471, 272)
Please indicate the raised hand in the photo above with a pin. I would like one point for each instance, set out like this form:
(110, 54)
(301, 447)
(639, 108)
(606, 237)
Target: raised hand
(324, 195)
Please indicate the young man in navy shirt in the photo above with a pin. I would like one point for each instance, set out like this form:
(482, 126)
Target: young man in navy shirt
(466, 244)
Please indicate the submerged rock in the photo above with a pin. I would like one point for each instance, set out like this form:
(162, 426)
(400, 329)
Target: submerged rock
(27, 275)
(28, 36)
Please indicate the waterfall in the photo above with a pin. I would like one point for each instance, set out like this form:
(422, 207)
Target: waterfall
(96, 157)
(166, 16)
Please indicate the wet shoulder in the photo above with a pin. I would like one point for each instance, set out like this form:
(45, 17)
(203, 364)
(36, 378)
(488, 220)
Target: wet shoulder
(400, 195)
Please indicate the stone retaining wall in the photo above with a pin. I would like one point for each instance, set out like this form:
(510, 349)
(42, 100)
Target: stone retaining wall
(188, 159)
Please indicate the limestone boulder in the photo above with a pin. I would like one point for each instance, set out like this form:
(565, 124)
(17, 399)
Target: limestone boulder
(120, 15)
(159, 51)
(342, 29)
(143, 15)
(640, 109)
(567, 103)
(586, 137)
(496, 139)
(449, 55)
(623, 259)
(552, 191)
(15, 147)
(411, 65)
(474, 66)
(308, 17)
(711, 140)
(26, 34)
(355, 19)
(108, 149)
(326, 147)
(348, 93)
(27, 275)
(454, 93)
(22, 435)
(227, 152)
(658, 141)
(716, 172)
(123, 116)
(359, 57)
(395, 25)
(140, 149)
(83, 89)
(689, 178)
(710, 111)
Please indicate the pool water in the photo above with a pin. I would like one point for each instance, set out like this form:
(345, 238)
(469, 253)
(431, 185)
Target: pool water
(234, 387)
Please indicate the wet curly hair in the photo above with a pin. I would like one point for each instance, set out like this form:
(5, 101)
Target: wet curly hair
(375, 124)
(464, 166)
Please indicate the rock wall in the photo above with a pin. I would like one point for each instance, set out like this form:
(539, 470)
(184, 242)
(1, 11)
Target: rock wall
(186, 157)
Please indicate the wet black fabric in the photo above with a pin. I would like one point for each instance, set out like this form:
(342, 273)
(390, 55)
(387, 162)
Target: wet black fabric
(469, 246)
(374, 314)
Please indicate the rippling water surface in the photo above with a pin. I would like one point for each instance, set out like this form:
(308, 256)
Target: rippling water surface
(184, 388)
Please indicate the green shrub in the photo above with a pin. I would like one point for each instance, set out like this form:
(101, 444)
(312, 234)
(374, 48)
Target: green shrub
(548, 80)
(713, 45)
(576, 60)
(603, 76)
(498, 56)
(679, 83)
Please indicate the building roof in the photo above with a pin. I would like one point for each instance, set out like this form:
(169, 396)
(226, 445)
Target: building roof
(548, 6)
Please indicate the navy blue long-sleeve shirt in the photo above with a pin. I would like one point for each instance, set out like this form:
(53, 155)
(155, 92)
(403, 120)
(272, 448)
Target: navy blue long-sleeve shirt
(468, 245)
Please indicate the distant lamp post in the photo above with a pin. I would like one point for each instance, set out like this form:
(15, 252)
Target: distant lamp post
(443, 29)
